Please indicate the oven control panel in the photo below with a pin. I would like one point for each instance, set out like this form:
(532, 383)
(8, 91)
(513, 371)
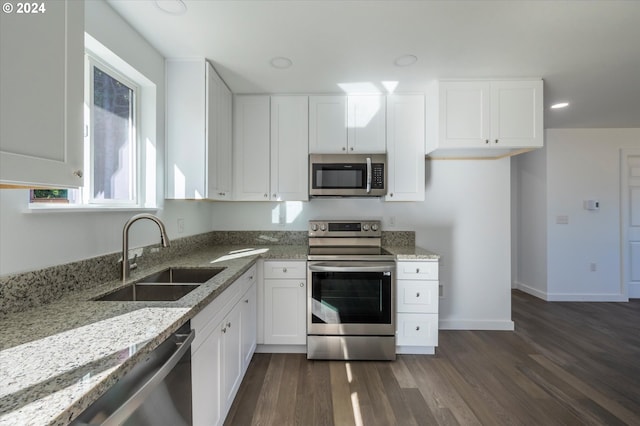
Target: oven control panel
(344, 228)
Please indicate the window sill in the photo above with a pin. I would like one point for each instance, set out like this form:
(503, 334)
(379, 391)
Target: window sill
(57, 208)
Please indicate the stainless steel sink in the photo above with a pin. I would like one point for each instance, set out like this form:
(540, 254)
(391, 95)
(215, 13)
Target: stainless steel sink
(164, 286)
(149, 292)
(182, 275)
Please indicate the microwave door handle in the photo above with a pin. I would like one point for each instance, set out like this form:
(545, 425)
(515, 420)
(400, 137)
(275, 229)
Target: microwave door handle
(368, 175)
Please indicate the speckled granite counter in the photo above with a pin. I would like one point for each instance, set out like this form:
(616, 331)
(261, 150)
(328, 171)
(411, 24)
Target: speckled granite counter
(60, 357)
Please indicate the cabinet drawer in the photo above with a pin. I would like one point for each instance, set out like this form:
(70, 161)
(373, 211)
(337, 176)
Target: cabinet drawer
(285, 269)
(418, 270)
(417, 296)
(417, 330)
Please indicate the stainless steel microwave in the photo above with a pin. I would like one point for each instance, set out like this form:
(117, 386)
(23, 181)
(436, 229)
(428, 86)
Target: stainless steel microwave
(347, 175)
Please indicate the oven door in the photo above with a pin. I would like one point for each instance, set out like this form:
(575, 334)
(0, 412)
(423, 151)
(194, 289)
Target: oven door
(351, 298)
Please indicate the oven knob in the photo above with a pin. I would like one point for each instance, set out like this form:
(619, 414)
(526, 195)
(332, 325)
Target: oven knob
(323, 227)
(374, 227)
(314, 227)
(365, 227)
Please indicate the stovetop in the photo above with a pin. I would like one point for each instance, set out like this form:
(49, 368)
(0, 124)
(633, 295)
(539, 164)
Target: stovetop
(346, 240)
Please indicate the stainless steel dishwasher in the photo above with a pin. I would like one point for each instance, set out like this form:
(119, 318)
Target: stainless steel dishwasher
(157, 391)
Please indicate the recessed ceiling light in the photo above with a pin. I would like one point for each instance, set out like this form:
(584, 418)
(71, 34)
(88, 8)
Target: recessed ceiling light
(405, 60)
(281, 63)
(560, 105)
(172, 7)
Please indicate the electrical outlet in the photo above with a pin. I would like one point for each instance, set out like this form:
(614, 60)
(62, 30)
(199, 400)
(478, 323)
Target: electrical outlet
(593, 267)
(180, 226)
(392, 221)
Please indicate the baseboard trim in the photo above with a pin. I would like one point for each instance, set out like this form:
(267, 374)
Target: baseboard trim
(281, 349)
(498, 325)
(531, 290)
(573, 297)
(634, 291)
(415, 350)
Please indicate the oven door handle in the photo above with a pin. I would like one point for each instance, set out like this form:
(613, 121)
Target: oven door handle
(336, 267)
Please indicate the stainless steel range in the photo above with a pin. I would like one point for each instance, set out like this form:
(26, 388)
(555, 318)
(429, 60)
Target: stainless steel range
(351, 292)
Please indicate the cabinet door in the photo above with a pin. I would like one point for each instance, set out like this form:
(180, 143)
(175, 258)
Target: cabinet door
(405, 148)
(417, 329)
(186, 125)
(327, 124)
(289, 148)
(231, 356)
(516, 114)
(366, 124)
(41, 107)
(249, 325)
(219, 122)
(465, 109)
(251, 148)
(285, 310)
(206, 372)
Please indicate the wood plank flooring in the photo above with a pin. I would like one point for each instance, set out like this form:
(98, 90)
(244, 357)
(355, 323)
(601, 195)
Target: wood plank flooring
(566, 364)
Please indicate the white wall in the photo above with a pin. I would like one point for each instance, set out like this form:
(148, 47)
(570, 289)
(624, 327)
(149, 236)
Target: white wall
(35, 240)
(579, 164)
(465, 218)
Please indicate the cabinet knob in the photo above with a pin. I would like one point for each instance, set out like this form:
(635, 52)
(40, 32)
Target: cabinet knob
(266, 195)
(251, 278)
(418, 294)
(417, 328)
(246, 300)
(284, 270)
(351, 149)
(417, 270)
(275, 196)
(224, 329)
(301, 284)
(78, 173)
(496, 140)
(344, 148)
(228, 325)
(391, 195)
(486, 141)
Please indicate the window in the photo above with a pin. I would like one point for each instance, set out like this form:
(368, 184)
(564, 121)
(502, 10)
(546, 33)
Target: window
(111, 133)
(120, 146)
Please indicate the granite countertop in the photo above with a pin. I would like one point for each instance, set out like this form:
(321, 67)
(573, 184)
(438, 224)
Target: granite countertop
(69, 352)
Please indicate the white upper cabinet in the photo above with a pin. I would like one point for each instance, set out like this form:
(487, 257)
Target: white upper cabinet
(198, 132)
(289, 148)
(219, 119)
(469, 117)
(41, 106)
(251, 127)
(347, 124)
(405, 147)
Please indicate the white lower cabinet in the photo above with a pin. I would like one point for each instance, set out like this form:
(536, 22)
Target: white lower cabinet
(285, 303)
(417, 298)
(224, 344)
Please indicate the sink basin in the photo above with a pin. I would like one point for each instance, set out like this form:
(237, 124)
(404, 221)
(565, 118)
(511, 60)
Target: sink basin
(164, 286)
(182, 275)
(149, 292)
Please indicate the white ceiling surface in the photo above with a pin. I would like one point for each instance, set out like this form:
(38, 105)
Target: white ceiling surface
(587, 52)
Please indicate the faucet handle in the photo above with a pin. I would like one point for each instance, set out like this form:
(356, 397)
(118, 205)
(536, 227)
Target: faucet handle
(132, 264)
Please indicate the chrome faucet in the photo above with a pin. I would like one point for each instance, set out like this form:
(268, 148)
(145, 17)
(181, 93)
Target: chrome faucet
(126, 267)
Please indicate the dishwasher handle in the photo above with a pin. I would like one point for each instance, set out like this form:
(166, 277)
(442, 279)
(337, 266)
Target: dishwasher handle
(129, 406)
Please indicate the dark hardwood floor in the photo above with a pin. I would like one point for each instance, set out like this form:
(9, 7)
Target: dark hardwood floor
(566, 364)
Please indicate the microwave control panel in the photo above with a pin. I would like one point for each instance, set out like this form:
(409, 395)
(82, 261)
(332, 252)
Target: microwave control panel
(377, 176)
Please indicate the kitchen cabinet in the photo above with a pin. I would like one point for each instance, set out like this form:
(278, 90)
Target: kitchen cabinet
(222, 349)
(347, 124)
(270, 148)
(285, 303)
(289, 148)
(198, 132)
(471, 117)
(417, 303)
(41, 107)
(405, 148)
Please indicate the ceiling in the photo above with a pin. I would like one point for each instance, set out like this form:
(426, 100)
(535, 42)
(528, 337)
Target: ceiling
(587, 52)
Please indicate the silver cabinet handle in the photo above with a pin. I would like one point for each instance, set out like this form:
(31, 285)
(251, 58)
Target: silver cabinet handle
(130, 405)
(352, 267)
(418, 294)
(417, 328)
(301, 284)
